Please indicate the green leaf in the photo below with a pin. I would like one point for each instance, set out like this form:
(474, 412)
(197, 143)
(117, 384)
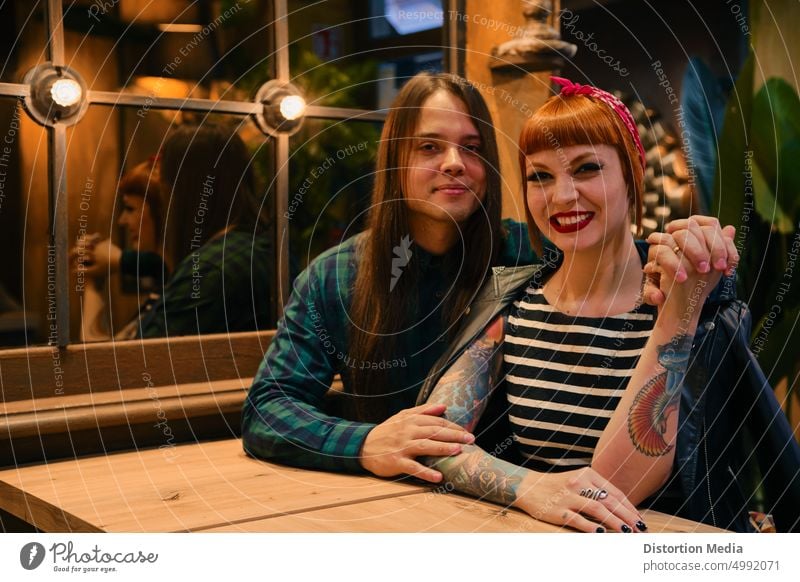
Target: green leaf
(775, 122)
(729, 188)
(789, 177)
(767, 205)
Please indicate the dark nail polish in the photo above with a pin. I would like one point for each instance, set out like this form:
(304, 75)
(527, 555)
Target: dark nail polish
(600, 530)
(625, 528)
(641, 526)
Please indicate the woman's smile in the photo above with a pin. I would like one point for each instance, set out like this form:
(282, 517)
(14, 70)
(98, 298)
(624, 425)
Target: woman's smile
(577, 196)
(565, 222)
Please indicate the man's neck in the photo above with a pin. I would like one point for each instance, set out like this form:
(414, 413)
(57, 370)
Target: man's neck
(434, 237)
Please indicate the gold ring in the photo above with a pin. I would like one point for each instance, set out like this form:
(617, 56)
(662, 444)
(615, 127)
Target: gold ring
(676, 249)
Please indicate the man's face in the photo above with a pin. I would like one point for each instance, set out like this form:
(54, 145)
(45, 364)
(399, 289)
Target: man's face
(446, 179)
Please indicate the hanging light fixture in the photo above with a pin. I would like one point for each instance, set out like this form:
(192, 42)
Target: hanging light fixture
(57, 95)
(283, 110)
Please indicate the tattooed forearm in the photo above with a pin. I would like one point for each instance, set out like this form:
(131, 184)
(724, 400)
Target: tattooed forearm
(658, 399)
(478, 473)
(464, 388)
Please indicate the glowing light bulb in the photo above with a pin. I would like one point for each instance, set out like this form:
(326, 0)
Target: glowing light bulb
(292, 107)
(66, 92)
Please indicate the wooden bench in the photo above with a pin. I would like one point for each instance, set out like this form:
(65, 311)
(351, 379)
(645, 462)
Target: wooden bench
(93, 398)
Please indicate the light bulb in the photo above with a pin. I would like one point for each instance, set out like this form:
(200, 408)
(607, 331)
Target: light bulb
(292, 107)
(66, 92)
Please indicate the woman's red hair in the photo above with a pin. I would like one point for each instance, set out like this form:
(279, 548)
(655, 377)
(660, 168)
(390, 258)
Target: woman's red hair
(564, 121)
(143, 180)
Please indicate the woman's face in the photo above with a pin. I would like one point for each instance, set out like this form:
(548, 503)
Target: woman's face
(577, 196)
(446, 179)
(140, 230)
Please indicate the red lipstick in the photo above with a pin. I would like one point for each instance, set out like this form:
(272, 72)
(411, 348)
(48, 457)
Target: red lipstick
(566, 222)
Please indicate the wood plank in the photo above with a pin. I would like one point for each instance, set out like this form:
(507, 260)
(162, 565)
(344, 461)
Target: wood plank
(425, 513)
(24, 418)
(183, 488)
(432, 512)
(658, 522)
(47, 372)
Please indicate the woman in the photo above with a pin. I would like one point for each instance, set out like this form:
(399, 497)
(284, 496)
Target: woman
(95, 259)
(593, 377)
(215, 238)
(379, 308)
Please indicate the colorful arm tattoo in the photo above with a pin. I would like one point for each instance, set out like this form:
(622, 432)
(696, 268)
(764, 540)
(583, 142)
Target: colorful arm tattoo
(478, 473)
(467, 384)
(652, 406)
(465, 389)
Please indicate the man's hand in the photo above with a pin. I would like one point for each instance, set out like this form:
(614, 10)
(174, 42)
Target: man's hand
(391, 447)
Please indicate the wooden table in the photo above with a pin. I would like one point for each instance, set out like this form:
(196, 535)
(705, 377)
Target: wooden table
(216, 487)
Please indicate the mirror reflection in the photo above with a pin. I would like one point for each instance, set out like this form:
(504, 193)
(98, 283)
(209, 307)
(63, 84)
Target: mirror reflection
(187, 245)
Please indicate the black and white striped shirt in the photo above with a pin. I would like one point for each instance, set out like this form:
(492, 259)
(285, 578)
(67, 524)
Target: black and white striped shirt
(565, 376)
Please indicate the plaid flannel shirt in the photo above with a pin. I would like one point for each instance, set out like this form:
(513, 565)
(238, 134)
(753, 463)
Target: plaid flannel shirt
(223, 286)
(283, 418)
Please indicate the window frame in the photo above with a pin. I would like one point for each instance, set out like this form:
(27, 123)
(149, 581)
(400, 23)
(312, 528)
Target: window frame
(57, 145)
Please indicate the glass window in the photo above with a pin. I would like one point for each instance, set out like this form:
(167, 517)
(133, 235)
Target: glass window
(150, 223)
(169, 225)
(26, 276)
(172, 48)
(331, 171)
(349, 54)
(22, 35)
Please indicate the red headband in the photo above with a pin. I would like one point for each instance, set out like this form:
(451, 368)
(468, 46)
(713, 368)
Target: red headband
(570, 88)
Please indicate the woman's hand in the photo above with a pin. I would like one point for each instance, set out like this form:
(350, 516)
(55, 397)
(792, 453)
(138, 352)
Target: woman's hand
(391, 448)
(556, 498)
(94, 257)
(687, 261)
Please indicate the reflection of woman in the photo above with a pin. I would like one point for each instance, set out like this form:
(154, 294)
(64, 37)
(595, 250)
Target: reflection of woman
(96, 259)
(215, 238)
(593, 378)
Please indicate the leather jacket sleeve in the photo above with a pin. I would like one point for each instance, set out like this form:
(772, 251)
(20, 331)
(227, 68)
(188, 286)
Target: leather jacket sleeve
(735, 447)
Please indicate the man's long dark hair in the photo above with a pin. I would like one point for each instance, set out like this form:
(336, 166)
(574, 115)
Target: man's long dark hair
(379, 311)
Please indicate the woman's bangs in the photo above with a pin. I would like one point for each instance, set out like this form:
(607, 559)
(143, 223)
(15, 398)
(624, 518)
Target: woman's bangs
(564, 122)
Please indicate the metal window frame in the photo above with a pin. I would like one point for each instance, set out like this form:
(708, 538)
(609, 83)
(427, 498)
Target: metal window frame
(452, 44)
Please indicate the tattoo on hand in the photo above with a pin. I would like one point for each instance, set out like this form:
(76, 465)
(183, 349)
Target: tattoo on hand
(658, 399)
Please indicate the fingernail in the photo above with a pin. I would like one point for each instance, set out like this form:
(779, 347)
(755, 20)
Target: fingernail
(721, 264)
(703, 267)
(681, 276)
(641, 526)
(456, 450)
(625, 528)
(600, 530)
(468, 438)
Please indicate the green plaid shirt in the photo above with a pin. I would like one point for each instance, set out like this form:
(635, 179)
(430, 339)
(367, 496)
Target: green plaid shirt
(223, 286)
(283, 418)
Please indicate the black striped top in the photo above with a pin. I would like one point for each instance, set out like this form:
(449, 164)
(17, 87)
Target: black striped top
(565, 376)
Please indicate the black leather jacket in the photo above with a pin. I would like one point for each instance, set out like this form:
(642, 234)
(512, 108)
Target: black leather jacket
(735, 450)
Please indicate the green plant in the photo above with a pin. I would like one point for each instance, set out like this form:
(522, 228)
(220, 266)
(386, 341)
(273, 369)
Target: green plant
(757, 189)
(331, 162)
